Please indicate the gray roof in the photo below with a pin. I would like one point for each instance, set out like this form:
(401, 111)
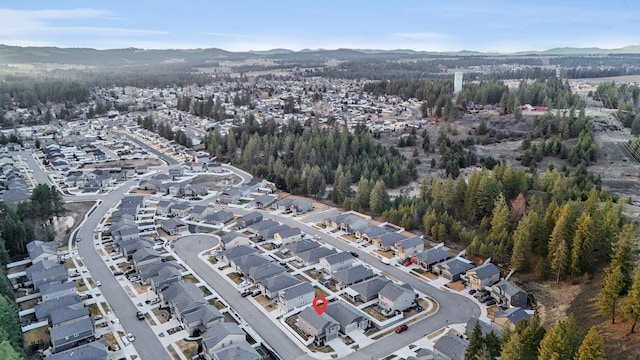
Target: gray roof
(455, 266)
(250, 261)
(451, 346)
(90, 351)
(237, 252)
(215, 334)
(301, 246)
(45, 269)
(375, 231)
(181, 206)
(264, 271)
(508, 287)
(412, 242)
(279, 282)
(393, 291)
(288, 232)
(204, 313)
(514, 314)
(36, 248)
(186, 296)
(164, 204)
(391, 238)
(262, 225)
(221, 216)
(199, 209)
(230, 236)
(314, 255)
(172, 223)
(69, 329)
(297, 291)
(342, 313)
(265, 199)
(486, 270)
(353, 275)
(484, 327)
(70, 312)
(253, 216)
(338, 258)
(433, 256)
(242, 351)
(153, 269)
(145, 253)
(368, 289)
(45, 309)
(55, 287)
(318, 322)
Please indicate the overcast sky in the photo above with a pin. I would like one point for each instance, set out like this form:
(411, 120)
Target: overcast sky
(237, 25)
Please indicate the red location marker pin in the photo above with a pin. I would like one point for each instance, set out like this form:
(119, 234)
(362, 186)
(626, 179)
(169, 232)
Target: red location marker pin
(320, 304)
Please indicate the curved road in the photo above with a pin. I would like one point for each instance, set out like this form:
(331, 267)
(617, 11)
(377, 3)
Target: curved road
(453, 308)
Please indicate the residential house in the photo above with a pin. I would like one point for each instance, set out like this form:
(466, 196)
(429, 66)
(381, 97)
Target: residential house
(427, 259)
(230, 196)
(507, 293)
(145, 256)
(286, 235)
(321, 327)
(300, 246)
(406, 248)
(173, 226)
(249, 219)
(483, 276)
(336, 262)
(183, 298)
(256, 184)
(370, 232)
(347, 317)
(509, 318)
(240, 351)
(368, 290)
(452, 269)
(233, 239)
(95, 350)
(264, 271)
(180, 210)
(296, 296)
(194, 190)
(198, 321)
(246, 263)
(44, 310)
(57, 289)
(218, 218)
(347, 277)
(349, 222)
(264, 201)
(46, 271)
(199, 212)
(70, 313)
(152, 185)
(387, 242)
(176, 172)
(160, 275)
(231, 255)
(271, 286)
(313, 256)
(450, 347)
(130, 247)
(221, 336)
(394, 298)
(72, 334)
(40, 250)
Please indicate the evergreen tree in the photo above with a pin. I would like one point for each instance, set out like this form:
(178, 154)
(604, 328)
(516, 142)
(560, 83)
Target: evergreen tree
(476, 343)
(592, 347)
(561, 341)
(558, 244)
(609, 296)
(7, 352)
(623, 255)
(363, 195)
(631, 303)
(10, 323)
(522, 243)
(582, 247)
(379, 199)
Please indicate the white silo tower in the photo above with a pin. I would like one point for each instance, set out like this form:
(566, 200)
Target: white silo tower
(457, 82)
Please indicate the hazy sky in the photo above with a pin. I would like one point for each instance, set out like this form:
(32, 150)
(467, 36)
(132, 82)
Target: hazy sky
(441, 25)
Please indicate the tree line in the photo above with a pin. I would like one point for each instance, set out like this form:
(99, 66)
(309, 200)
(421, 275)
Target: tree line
(163, 129)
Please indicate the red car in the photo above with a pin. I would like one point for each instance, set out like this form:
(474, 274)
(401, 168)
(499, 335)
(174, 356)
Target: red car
(407, 263)
(401, 328)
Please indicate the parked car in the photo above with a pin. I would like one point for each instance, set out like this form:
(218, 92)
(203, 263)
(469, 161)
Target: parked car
(140, 315)
(407, 263)
(401, 328)
(490, 303)
(130, 337)
(98, 283)
(472, 291)
(485, 298)
(118, 273)
(245, 294)
(354, 254)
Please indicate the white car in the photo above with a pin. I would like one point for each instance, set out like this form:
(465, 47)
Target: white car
(98, 283)
(130, 337)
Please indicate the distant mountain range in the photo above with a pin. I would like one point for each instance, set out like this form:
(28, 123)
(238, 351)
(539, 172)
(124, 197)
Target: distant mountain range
(133, 56)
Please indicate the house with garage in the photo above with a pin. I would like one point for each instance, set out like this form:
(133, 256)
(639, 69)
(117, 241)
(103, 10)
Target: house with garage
(231, 255)
(271, 286)
(286, 235)
(176, 172)
(163, 208)
(204, 317)
(195, 190)
(349, 222)
(297, 206)
(256, 184)
(72, 334)
(428, 258)
(224, 335)
(406, 248)
(160, 275)
(218, 218)
(249, 219)
(199, 212)
(129, 247)
(153, 185)
(349, 318)
(145, 256)
(387, 242)
(351, 276)
(233, 239)
(265, 271)
(46, 271)
(242, 351)
(510, 317)
(69, 313)
(44, 309)
(245, 264)
(230, 196)
(94, 350)
(57, 289)
(173, 226)
(394, 299)
(296, 296)
(183, 298)
(336, 262)
(452, 269)
(40, 250)
(264, 201)
(180, 210)
(450, 347)
(483, 276)
(313, 256)
(507, 293)
(321, 327)
(367, 290)
(371, 232)
(298, 247)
